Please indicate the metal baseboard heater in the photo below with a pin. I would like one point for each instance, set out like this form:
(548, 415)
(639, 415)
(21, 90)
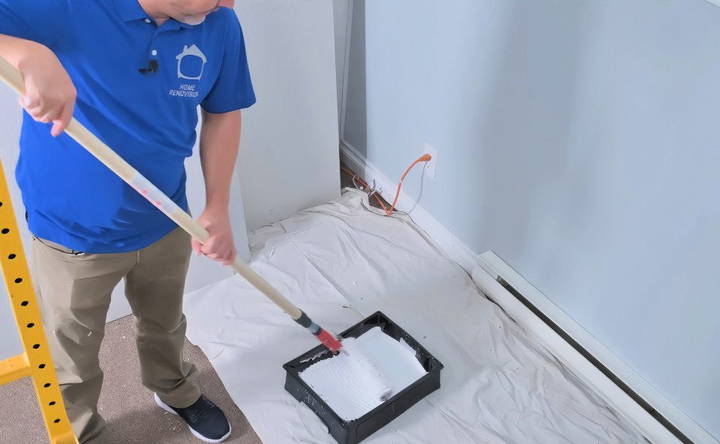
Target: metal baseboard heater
(658, 420)
(595, 362)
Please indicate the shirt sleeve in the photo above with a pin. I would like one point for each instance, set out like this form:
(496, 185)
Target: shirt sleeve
(233, 87)
(41, 21)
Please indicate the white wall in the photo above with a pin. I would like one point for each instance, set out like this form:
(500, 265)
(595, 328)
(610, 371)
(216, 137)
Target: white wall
(289, 154)
(10, 131)
(578, 140)
(342, 10)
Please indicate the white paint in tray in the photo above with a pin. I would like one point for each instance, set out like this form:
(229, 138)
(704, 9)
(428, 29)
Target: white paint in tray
(350, 386)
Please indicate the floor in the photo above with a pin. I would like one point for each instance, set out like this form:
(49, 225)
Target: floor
(125, 404)
(132, 416)
(341, 262)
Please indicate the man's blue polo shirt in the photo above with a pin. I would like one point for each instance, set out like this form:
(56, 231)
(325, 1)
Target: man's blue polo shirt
(148, 118)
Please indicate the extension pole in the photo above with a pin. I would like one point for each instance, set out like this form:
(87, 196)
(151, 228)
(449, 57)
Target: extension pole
(142, 185)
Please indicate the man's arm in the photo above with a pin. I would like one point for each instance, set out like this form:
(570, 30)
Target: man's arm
(49, 92)
(219, 145)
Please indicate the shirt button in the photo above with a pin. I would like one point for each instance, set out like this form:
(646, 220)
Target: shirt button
(147, 20)
(154, 52)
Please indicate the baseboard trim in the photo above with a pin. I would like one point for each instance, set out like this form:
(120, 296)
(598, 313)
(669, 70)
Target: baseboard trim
(623, 377)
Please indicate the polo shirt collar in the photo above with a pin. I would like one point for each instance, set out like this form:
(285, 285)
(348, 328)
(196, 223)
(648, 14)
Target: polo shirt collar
(131, 10)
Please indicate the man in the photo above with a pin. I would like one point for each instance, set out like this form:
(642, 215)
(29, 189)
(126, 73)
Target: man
(134, 72)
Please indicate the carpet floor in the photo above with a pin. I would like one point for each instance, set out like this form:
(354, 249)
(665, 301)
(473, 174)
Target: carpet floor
(127, 406)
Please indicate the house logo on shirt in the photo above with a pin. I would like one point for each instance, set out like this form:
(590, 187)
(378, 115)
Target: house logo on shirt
(190, 63)
(190, 66)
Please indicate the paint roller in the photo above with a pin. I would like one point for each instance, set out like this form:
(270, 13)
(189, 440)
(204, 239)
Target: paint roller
(364, 372)
(142, 185)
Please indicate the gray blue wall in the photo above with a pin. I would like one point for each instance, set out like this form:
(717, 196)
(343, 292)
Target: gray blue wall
(580, 140)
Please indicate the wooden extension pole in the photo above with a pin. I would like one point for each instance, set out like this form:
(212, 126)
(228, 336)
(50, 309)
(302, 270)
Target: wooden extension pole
(126, 172)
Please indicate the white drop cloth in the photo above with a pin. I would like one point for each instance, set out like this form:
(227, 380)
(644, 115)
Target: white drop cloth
(340, 262)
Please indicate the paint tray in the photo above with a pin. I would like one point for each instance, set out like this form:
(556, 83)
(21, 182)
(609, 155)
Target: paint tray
(354, 431)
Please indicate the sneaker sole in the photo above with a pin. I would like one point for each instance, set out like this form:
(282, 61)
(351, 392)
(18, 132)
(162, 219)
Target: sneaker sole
(197, 434)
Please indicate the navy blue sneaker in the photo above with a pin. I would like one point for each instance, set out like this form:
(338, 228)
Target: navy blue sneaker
(206, 421)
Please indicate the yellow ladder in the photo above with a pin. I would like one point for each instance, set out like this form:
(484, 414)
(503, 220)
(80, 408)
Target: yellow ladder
(35, 361)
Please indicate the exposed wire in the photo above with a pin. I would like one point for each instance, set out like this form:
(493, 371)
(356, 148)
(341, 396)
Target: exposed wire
(372, 192)
(363, 186)
(423, 158)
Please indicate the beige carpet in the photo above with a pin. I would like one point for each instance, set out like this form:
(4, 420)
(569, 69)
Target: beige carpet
(128, 407)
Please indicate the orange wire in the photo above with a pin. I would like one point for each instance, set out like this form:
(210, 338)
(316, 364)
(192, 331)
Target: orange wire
(389, 211)
(423, 158)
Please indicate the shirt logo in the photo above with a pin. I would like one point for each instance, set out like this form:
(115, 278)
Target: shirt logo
(191, 63)
(190, 66)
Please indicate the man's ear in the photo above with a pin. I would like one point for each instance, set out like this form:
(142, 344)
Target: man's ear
(227, 3)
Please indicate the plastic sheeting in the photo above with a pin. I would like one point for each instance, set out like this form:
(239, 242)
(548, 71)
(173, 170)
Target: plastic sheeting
(341, 262)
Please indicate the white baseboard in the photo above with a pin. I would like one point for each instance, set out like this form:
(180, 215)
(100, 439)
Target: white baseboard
(495, 267)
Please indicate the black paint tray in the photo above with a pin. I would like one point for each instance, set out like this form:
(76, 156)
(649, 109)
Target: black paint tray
(354, 431)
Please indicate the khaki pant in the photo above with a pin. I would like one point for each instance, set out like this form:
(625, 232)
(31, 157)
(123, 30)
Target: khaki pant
(74, 289)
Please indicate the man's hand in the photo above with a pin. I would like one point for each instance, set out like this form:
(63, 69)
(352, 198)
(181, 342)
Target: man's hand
(49, 91)
(220, 245)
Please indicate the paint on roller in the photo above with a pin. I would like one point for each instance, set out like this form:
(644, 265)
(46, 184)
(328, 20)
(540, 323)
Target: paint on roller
(370, 369)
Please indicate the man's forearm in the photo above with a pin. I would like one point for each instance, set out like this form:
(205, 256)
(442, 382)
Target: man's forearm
(16, 51)
(219, 145)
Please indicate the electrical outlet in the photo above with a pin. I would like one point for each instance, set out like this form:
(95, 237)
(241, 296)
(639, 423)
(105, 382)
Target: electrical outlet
(431, 166)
